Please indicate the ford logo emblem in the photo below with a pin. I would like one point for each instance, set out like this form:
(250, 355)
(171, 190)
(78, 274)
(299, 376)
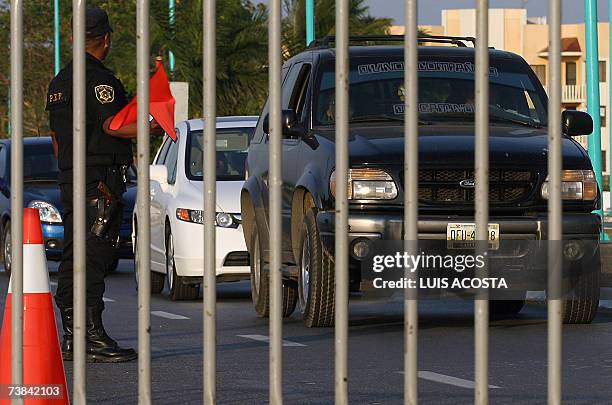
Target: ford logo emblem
(468, 183)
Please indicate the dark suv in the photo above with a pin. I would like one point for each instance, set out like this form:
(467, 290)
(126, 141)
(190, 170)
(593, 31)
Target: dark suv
(518, 167)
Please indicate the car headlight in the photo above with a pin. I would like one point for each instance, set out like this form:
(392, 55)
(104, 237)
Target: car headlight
(367, 184)
(575, 185)
(46, 211)
(222, 219)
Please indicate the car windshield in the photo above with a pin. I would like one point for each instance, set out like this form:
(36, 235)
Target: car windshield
(446, 92)
(39, 162)
(232, 147)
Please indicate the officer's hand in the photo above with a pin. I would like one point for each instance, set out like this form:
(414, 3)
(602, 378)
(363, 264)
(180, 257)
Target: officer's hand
(155, 129)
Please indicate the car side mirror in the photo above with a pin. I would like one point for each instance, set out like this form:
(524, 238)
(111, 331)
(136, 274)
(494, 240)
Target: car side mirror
(290, 126)
(158, 173)
(576, 123)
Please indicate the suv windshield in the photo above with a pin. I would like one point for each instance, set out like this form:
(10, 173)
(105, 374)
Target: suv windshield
(232, 147)
(446, 92)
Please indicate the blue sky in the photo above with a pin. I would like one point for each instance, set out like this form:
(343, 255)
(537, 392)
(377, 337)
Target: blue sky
(429, 10)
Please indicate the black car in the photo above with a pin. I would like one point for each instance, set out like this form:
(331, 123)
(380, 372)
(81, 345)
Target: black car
(41, 191)
(518, 168)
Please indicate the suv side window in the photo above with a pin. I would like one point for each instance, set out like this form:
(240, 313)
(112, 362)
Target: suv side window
(298, 97)
(171, 161)
(4, 162)
(289, 85)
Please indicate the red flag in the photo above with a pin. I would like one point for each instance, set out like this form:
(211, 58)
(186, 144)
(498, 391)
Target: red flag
(161, 104)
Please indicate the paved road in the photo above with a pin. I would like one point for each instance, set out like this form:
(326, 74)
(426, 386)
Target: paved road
(517, 347)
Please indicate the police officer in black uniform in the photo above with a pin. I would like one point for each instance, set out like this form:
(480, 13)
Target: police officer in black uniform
(109, 153)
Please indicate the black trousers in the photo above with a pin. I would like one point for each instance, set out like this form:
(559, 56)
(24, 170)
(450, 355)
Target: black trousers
(100, 253)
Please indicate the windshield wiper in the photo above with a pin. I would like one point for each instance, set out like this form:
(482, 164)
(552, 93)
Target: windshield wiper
(531, 124)
(382, 117)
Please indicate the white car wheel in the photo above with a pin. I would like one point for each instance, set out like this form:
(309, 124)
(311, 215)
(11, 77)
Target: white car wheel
(179, 289)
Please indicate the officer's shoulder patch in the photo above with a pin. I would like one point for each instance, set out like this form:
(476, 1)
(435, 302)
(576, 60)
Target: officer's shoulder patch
(55, 98)
(105, 93)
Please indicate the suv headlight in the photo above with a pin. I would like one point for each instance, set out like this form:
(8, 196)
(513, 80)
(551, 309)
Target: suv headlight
(47, 212)
(575, 185)
(367, 184)
(222, 219)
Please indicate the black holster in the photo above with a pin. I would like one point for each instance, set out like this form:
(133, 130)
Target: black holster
(107, 212)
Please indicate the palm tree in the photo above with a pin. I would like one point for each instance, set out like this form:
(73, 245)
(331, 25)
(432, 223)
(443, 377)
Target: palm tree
(360, 22)
(242, 50)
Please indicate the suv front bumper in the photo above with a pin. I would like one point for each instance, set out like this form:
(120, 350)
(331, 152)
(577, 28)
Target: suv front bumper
(389, 226)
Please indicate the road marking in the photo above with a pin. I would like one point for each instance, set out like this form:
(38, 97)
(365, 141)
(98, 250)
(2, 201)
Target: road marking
(266, 339)
(447, 379)
(167, 315)
(107, 299)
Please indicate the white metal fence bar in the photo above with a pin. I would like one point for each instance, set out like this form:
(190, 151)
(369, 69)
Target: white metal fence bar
(341, 225)
(78, 198)
(17, 193)
(481, 164)
(210, 193)
(411, 197)
(275, 189)
(143, 215)
(555, 162)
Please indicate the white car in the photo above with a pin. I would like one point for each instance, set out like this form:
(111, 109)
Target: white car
(176, 188)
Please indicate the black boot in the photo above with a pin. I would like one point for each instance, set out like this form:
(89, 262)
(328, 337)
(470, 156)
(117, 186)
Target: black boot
(67, 343)
(100, 347)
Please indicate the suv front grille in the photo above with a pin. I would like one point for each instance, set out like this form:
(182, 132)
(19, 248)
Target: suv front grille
(442, 186)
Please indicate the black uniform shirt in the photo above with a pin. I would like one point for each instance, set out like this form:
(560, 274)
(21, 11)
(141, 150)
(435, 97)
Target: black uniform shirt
(105, 96)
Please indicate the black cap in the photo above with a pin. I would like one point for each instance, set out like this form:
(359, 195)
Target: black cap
(96, 23)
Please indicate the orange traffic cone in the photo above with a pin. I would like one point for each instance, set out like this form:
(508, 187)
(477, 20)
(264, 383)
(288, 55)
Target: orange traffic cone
(43, 368)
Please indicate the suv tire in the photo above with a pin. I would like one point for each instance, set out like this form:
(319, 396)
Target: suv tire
(260, 282)
(584, 307)
(316, 280)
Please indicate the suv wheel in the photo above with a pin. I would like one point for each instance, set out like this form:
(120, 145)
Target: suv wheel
(6, 248)
(583, 307)
(260, 283)
(316, 277)
(179, 290)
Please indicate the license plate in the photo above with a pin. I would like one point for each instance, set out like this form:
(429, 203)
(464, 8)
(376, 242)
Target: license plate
(463, 236)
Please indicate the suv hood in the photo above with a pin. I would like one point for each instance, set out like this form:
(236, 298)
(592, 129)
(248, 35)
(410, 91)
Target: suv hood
(447, 145)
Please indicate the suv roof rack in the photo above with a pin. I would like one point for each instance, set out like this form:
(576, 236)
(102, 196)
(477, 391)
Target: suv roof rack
(439, 39)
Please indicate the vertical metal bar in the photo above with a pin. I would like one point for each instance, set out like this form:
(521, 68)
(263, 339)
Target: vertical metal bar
(592, 78)
(481, 304)
(172, 22)
(79, 144)
(17, 193)
(144, 229)
(411, 205)
(555, 162)
(56, 36)
(310, 25)
(210, 190)
(341, 231)
(609, 106)
(276, 181)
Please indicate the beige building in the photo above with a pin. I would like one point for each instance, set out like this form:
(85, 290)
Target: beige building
(512, 30)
